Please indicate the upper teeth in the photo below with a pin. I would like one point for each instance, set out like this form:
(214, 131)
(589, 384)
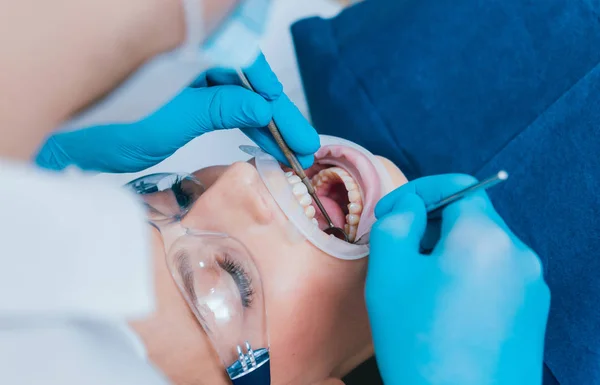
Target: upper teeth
(301, 193)
(299, 189)
(323, 180)
(355, 208)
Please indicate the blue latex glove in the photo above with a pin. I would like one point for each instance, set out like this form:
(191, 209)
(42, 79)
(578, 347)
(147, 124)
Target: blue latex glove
(473, 312)
(213, 102)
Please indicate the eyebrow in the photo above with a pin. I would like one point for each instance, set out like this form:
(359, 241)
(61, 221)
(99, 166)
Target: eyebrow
(184, 268)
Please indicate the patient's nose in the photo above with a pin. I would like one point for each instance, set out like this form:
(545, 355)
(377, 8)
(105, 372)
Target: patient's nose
(237, 197)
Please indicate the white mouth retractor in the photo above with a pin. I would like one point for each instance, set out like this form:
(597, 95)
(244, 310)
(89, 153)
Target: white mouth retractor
(274, 178)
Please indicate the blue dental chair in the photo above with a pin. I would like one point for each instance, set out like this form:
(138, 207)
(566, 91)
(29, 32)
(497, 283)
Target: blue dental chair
(475, 86)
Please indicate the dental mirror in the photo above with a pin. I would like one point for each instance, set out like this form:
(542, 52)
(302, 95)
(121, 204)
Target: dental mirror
(336, 232)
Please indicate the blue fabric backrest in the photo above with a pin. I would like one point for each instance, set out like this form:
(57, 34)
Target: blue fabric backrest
(422, 72)
(474, 86)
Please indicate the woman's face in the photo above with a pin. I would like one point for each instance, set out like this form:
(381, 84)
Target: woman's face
(317, 318)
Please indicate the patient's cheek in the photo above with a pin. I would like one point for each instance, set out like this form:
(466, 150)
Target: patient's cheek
(316, 312)
(172, 336)
(398, 178)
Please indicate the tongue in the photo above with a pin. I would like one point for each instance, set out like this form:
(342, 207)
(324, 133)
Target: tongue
(334, 211)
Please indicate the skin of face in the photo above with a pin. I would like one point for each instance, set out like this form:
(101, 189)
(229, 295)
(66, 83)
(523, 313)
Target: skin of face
(318, 324)
(215, 11)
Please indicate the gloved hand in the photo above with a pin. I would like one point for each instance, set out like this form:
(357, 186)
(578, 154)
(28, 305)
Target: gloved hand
(473, 312)
(213, 102)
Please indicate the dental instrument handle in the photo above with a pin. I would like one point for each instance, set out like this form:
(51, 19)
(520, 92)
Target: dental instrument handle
(287, 152)
(296, 166)
(434, 208)
(485, 184)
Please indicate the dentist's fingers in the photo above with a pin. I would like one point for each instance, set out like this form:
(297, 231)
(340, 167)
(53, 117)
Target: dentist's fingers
(263, 138)
(404, 224)
(473, 224)
(263, 79)
(260, 75)
(213, 108)
(295, 129)
(431, 189)
(298, 133)
(395, 240)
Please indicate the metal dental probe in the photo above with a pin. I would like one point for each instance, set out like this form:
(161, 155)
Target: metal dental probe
(485, 184)
(434, 208)
(295, 164)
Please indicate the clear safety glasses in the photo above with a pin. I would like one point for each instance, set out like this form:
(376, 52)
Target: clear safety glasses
(216, 275)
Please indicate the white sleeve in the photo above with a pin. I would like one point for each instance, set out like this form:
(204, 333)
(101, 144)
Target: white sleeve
(70, 353)
(71, 246)
(75, 263)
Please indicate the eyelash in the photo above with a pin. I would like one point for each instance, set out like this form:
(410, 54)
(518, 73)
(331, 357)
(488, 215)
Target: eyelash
(231, 267)
(185, 270)
(240, 277)
(183, 198)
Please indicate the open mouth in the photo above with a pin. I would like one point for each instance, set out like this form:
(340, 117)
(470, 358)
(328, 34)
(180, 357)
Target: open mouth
(347, 184)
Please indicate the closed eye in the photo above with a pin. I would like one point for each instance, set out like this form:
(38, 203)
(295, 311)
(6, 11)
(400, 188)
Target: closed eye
(227, 264)
(240, 277)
